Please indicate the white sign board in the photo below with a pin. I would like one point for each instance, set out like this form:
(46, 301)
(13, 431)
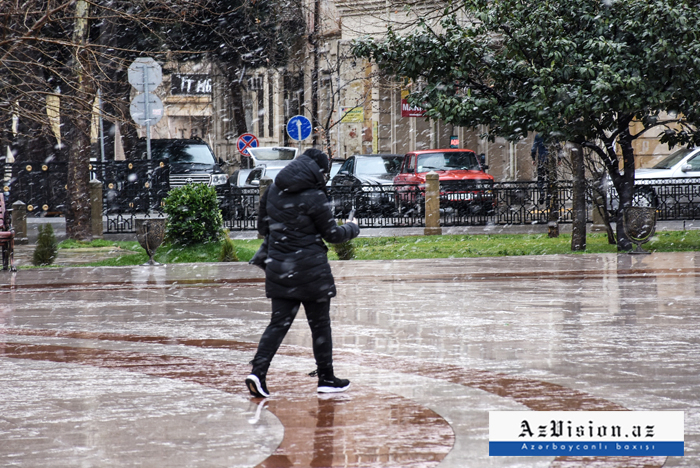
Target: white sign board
(145, 71)
(138, 109)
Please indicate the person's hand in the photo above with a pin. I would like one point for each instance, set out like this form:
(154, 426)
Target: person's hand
(353, 221)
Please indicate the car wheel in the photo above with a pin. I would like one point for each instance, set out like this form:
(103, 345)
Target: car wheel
(645, 197)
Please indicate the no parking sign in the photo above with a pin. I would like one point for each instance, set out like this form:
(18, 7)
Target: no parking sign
(245, 141)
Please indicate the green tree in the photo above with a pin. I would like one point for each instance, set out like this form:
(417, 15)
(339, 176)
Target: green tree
(574, 70)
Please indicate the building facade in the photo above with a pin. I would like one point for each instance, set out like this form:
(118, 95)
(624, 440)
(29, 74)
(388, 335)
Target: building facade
(354, 109)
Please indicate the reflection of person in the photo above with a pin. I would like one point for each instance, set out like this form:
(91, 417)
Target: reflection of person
(324, 435)
(296, 218)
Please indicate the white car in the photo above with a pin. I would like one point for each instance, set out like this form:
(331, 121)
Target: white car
(272, 156)
(257, 173)
(682, 163)
(268, 161)
(649, 189)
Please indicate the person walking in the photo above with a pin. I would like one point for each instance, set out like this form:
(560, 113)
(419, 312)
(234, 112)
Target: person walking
(546, 168)
(539, 155)
(295, 218)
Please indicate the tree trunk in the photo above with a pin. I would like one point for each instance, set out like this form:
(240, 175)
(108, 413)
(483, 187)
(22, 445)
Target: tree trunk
(238, 108)
(578, 228)
(314, 40)
(625, 190)
(79, 98)
(78, 212)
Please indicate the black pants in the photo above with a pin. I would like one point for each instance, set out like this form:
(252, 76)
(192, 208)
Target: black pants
(283, 313)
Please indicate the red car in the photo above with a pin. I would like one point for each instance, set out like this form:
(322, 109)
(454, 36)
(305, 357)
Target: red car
(464, 186)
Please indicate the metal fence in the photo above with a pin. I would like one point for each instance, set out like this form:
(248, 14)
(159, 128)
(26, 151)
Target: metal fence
(462, 203)
(129, 186)
(133, 189)
(674, 199)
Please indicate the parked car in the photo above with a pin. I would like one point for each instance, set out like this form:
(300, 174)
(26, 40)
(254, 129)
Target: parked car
(238, 178)
(179, 162)
(272, 156)
(464, 186)
(681, 164)
(245, 194)
(336, 163)
(365, 182)
(189, 161)
(684, 162)
(254, 175)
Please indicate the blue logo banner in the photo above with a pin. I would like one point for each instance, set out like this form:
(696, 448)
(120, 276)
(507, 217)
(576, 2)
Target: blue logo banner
(591, 449)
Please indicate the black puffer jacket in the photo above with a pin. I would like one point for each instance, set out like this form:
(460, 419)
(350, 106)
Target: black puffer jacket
(295, 213)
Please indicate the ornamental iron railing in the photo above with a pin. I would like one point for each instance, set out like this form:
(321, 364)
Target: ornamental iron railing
(134, 189)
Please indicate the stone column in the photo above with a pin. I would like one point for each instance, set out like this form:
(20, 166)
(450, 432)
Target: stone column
(432, 204)
(598, 221)
(96, 209)
(19, 222)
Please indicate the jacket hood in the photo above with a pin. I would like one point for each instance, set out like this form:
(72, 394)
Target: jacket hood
(301, 174)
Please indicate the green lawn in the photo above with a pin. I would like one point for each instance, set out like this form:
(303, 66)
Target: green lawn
(409, 247)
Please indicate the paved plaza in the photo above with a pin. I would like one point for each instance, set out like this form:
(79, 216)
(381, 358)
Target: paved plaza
(144, 366)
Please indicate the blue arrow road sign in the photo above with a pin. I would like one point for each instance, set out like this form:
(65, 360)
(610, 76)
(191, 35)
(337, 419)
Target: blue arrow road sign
(299, 128)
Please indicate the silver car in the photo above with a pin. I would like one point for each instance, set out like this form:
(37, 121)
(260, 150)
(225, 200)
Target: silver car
(668, 185)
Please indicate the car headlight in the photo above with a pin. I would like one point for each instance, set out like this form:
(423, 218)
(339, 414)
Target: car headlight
(219, 179)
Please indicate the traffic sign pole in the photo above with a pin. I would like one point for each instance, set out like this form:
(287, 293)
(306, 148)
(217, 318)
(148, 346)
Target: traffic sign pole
(299, 133)
(140, 73)
(148, 113)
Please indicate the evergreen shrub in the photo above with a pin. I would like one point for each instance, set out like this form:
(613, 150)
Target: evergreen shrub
(193, 215)
(344, 250)
(228, 250)
(46, 246)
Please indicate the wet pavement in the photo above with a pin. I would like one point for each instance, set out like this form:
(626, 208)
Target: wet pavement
(144, 366)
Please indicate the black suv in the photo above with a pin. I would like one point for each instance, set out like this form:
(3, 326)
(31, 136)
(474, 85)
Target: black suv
(180, 162)
(188, 161)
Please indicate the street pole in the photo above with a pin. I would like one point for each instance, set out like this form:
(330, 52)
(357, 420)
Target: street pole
(102, 134)
(148, 112)
(578, 226)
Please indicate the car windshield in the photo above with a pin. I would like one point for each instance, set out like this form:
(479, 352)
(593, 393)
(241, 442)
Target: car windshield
(259, 173)
(335, 167)
(454, 160)
(272, 172)
(379, 165)
(674, 158)
(273, 154)
(189, 154)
